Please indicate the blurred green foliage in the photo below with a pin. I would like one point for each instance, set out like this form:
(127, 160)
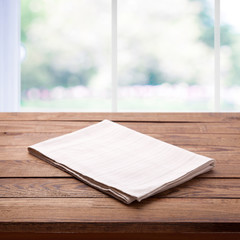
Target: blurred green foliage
(28, 16)
(207, 22)
(48, 61)
(40, 67)
(228, 39)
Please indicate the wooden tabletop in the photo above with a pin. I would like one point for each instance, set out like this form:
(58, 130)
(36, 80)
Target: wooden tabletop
(36, 197)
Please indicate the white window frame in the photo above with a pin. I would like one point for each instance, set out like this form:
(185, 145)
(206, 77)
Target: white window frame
(10, 55)
(217, 42)
(114, 56)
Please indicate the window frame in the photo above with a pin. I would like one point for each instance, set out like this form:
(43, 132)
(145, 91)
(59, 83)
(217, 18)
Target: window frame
(10, 80)
(10, 55)
(217, 46)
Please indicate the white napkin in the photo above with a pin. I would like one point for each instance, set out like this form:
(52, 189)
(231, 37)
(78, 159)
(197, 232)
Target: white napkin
(120, 161)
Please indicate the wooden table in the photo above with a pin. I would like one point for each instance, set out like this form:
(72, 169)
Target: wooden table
(39, 201)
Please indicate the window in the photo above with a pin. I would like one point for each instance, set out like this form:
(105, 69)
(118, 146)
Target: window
(9, 55)
(128, 55)
(166, 55)
(230, 56)
(67, 51)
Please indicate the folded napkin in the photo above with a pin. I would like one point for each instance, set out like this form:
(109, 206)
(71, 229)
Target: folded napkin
(120, 161)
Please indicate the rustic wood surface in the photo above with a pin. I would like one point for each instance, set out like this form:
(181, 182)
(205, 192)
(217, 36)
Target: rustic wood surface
(36, 197)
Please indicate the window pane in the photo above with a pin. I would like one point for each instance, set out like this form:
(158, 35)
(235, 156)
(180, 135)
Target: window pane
(230, 55)
(66, 55)
(166, 55)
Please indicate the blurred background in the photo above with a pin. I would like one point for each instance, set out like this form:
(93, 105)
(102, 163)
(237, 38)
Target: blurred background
(165, 55)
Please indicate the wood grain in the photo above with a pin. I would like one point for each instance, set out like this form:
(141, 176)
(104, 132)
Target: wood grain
(193, 140)
(72, 188)
(38, 168)
(123, 116)
(147, 127)
(29, 168)
(17, 162)
(118, 236)
(225, 155)
(89, 214)
(36, 197)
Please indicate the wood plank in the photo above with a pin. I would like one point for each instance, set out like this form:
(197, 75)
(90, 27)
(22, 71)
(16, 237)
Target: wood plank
(123, 116)
(225, 155)
(208, 203)
(29, 168)
(17, 162)
(218, 140)
(118, 236)
(72, 188)
(38, 168)
(110, 215)
(146, 127)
